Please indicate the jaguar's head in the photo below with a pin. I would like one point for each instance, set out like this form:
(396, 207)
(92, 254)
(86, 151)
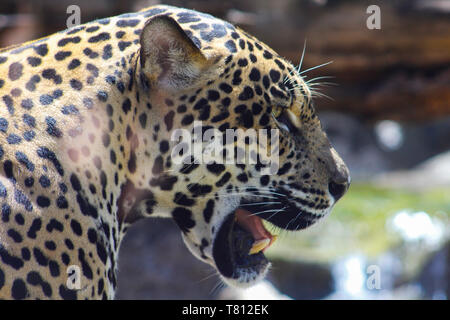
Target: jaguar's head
(212, 81)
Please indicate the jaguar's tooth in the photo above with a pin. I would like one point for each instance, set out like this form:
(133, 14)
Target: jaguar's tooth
(274, 237)
(259, 246)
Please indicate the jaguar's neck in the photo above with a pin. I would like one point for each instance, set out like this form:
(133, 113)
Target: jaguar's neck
(99, 146)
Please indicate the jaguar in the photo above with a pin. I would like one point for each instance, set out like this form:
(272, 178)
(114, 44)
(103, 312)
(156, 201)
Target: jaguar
(87, 117)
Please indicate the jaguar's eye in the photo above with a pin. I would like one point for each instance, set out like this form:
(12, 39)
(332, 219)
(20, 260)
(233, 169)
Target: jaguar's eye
(277, 113)
(283, 119)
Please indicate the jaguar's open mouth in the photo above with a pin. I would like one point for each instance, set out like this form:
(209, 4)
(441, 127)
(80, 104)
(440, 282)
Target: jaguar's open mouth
(241, 240)
(239, 246)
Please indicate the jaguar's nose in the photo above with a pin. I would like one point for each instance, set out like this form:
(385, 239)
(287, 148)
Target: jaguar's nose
(337, 190)
(339, 183)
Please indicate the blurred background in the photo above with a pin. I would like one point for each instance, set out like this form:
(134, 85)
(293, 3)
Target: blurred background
(386, 109)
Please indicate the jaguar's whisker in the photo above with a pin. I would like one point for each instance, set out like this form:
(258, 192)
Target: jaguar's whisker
(316, 67)
(259, 203)
(264, 211)
(301, 60)
(276, 213)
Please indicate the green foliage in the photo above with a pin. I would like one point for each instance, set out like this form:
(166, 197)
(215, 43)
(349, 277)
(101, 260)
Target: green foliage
(359, 224)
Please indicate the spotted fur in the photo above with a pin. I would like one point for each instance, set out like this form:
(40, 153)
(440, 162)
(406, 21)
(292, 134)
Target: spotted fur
(86, 116)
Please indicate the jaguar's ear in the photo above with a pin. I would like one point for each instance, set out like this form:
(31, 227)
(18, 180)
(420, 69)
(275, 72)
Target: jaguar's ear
(169, 58)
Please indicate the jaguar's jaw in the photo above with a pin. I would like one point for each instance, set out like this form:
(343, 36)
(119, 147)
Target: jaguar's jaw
(241, 238)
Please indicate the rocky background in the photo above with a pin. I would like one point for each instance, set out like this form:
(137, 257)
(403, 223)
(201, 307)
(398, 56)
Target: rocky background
(388, 115)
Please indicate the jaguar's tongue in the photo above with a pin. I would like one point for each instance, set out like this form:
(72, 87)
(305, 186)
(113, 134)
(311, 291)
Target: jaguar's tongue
(253, 224)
